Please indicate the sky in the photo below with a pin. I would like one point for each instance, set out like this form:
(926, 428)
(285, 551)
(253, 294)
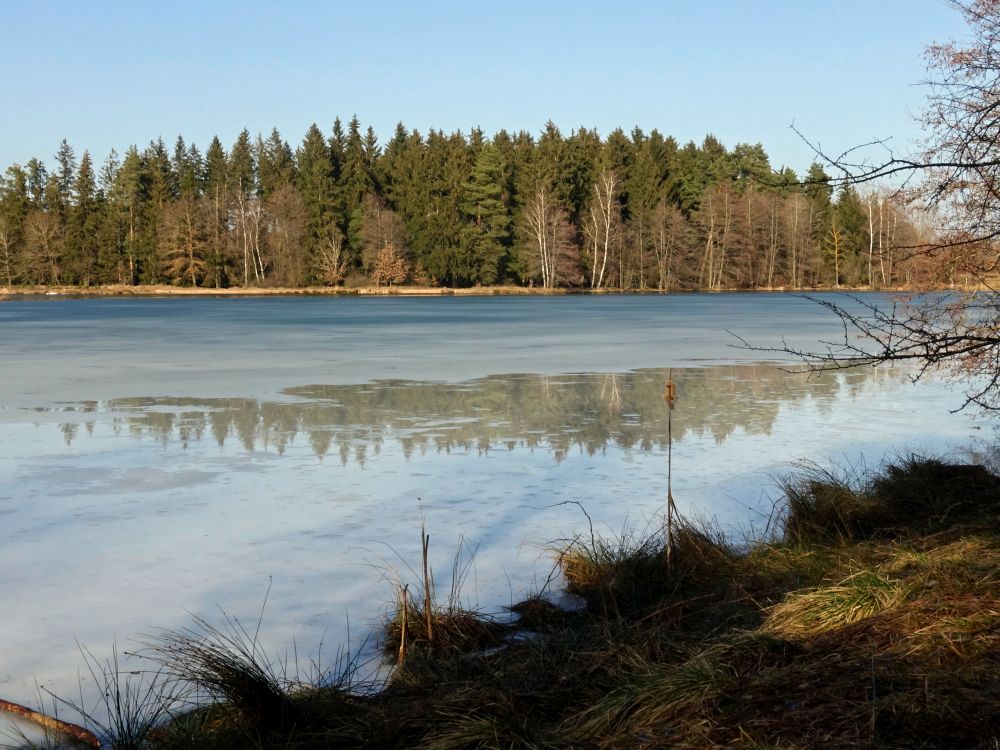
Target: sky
(106, 75)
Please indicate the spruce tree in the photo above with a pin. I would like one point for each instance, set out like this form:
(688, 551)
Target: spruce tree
(275, 163)
(37, 177)
(83, 227)
(215, 179)
(486, 236)
(314, 180)
(66, 171)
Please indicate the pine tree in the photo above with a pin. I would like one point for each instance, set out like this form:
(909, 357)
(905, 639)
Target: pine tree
(66, 161)
(645, 186)
(241, 169)
(129, 204)
(852, 223)
(579, 168)
(486, 236)
(354, 185)
(161, 191)
(215, 179)
(188, 168)
(37, 177)
(819, 217)
(112, 225)
(83, 229)
(314, 180)
(275, 163)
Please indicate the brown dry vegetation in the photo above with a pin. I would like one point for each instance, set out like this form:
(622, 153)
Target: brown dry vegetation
(871, 619)
(166, 290)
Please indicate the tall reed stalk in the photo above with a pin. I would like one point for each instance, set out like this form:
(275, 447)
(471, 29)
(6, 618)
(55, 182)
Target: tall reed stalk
(670, 396)
(425, 540)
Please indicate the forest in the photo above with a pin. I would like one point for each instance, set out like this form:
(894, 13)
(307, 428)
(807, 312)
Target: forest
(632, 211)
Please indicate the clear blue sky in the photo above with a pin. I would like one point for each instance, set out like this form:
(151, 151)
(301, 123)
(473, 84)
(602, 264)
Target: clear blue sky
(108, 74)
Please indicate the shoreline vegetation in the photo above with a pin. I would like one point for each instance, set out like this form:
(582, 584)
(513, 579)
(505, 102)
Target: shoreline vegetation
(866, 615)
(168, 290)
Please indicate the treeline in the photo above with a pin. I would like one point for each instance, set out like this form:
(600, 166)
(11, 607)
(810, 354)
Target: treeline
(632, 211)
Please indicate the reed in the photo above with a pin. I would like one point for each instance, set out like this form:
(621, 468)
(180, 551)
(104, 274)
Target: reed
(420, 623)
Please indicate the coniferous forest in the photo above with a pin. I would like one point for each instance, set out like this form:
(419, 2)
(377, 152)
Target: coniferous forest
(632, 211)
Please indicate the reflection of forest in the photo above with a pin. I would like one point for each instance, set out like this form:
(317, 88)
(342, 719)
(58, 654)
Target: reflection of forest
(579, 411)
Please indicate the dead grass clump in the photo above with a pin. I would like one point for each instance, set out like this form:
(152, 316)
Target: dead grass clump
(911, 497)
(630, 573)
(538, 613)
(677, 702)
(901, 678)
(928, 495)
(489, 726)
(421, 624)
(655, 697)
(228, 665)
(967, 566)
(820, 506)
(858, 596)
(452, 629)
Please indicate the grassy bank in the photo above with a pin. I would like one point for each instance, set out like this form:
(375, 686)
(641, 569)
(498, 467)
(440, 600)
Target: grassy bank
(869, 618)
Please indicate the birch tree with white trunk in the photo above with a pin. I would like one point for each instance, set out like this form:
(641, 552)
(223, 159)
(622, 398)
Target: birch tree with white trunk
(602, 225)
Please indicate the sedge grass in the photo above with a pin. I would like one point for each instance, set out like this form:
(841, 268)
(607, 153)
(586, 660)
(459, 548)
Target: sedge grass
(858, 596)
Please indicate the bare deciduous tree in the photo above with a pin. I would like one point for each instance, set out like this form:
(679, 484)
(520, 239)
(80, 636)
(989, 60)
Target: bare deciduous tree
(957, 181)
(183, 233)
(602, 225)
(286, 235)
(381, 227)
(669, 228)
(44, 246)
(7, 245)
(249, 225)
(553, 254)
(331, 260)
(389, 268)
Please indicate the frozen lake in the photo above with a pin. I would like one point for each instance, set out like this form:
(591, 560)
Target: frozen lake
(167, 457)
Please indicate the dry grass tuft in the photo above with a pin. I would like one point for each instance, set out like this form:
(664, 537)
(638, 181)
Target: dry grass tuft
(858, 596)
(914, 496)
(630, 573)
(228, 664)
(537, 613)
(454, 630)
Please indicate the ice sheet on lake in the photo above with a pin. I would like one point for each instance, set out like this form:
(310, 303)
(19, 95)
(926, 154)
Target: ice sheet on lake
(162, 458)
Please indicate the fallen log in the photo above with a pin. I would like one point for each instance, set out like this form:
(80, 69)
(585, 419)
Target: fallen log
(78, 733)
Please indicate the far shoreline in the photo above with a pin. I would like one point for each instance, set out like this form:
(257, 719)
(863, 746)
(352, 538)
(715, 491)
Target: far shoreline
(165, 290)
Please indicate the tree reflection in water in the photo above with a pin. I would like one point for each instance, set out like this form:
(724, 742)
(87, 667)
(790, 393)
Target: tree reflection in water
(558, 413)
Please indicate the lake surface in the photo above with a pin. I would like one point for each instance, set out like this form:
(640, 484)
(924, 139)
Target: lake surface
(167, 457)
